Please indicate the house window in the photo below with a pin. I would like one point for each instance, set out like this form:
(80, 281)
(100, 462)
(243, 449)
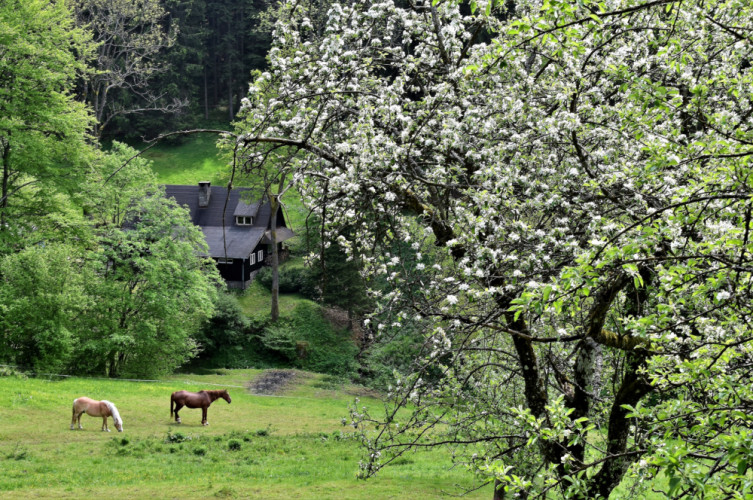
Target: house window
(224, 261)
(252, 258)
(260, 255)
(244, 220)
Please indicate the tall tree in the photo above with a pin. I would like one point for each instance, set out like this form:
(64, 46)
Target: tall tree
(131, 40)
(573, 180)
(183, 66)
(124, 295)
(153, 287)
(43, 140)
(236, 46)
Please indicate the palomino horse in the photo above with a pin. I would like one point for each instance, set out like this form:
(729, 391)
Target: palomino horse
(94, 408)
(201, 399)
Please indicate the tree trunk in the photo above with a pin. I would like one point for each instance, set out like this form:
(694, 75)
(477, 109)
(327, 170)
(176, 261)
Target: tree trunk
(6, 177)
(206, 94)
(275, 312)
(230, 105)
(499, 492)
(634, 388)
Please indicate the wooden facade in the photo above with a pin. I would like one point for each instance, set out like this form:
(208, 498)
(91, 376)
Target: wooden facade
(237, 229)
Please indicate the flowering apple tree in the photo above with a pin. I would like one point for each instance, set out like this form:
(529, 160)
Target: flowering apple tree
(559, 194)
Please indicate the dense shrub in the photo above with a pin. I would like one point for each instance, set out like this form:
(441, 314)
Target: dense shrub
(226, 328)
(310, 342)
(291, 280)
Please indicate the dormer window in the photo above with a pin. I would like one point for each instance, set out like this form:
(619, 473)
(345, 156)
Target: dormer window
(244, 220)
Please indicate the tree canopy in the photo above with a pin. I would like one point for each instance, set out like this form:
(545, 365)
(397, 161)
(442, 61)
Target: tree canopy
(560, 194)
(123, 295)
(43, 130)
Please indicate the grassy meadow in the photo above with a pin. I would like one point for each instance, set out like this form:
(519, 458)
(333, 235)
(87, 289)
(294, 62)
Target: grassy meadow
(287, 446)
(188, 160)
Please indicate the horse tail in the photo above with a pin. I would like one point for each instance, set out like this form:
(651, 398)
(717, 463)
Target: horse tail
(172, 402)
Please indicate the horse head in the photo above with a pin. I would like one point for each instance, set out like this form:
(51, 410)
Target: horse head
(115, 416)
(224, 395)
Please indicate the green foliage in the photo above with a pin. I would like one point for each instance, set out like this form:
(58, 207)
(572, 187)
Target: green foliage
(391, 355)
(234, 445)
(308, 341)
(43, 131)
(292, 280)
(226, 327)
(41, 296)
(228, 339)
(124, 297)
(154, 289)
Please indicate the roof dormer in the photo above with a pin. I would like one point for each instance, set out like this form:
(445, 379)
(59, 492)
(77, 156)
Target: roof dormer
(245, 214)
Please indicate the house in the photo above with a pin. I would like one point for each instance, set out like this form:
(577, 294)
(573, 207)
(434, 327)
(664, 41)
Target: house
(241, 244)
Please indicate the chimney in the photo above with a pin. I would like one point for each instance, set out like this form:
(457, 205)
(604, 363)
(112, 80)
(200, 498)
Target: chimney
(205, 191)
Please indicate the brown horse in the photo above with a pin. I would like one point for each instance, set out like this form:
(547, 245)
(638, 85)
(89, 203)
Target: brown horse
(95, 408)
(201, 399)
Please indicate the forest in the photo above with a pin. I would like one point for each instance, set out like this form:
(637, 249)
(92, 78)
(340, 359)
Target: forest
(531, 219)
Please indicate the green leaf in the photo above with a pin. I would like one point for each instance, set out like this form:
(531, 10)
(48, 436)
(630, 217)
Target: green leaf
(674, 483)
(742, 466)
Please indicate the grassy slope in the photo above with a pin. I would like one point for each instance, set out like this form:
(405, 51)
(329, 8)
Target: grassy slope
(191, 160)
(302, 457)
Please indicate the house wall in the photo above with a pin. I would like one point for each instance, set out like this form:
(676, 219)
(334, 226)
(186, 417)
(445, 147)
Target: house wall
(234, 271)
(241, 272)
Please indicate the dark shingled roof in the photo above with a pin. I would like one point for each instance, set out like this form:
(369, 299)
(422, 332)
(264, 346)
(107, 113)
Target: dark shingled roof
(238, 241)
(243, 209)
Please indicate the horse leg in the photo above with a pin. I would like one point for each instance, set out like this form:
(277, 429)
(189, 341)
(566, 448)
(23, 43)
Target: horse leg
(78, 417)
(204, 416)
(178, 406)
(104, 424)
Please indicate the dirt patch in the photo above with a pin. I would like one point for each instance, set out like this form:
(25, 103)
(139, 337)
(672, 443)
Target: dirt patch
(272, 382)
(337, 317)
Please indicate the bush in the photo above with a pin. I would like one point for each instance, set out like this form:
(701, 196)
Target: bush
(229, 339)
(178, 437)
(291, 280)
(227, 327)
(308, 341)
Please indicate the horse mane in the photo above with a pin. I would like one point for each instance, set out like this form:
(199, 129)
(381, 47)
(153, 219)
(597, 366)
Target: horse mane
(114, 411)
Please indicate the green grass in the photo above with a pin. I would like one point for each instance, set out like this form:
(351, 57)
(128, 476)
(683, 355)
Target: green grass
(189, 161)
(260, 447)
(256, 301)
